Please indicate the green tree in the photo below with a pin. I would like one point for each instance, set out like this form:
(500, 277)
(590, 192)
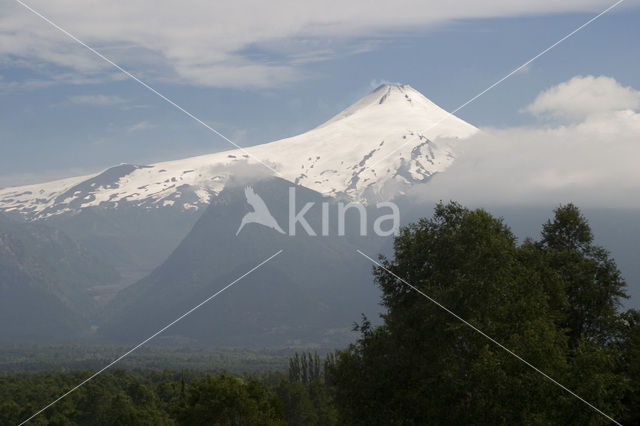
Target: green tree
(297, 403)
(424, 365)
(592, 283)
(294, 368)
(304, 368)
(308, 403)
(226, 400)
(315, 369)
(630, 365)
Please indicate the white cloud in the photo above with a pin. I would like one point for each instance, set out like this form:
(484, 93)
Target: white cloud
(143, 125)
(71, 78)
(221, 43)
(593, 162)
(97, 100)
(582, 96)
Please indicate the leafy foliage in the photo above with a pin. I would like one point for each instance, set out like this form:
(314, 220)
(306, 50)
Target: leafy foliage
(226, 400)
(555, 303)
(118, 398)
(127, 398)
(307, 396)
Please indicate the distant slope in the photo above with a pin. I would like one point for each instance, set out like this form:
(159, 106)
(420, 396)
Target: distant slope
(310, 294)
(132, 240)
(45, 282)
(392, 137)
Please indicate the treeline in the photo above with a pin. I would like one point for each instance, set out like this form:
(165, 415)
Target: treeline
(147, 397)
(34, 358)
(555, 302)
(125, 397)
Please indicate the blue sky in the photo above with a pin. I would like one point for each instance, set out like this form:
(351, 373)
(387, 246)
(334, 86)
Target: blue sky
(64, 112)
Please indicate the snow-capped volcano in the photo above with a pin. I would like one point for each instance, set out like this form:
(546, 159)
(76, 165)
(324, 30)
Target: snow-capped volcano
(394, 136)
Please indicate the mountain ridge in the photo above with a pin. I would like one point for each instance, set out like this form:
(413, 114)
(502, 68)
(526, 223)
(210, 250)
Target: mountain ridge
(402, 134)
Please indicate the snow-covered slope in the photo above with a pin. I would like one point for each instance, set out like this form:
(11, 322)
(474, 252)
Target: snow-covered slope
(392, 137)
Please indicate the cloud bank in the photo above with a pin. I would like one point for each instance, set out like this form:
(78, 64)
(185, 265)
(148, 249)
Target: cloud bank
(592, 160)
(580, 97)
(224, 44)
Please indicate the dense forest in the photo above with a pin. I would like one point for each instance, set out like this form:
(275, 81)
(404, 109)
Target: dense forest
(148, 397)
(555, 302)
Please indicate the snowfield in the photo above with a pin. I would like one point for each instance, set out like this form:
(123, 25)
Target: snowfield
(391, 138)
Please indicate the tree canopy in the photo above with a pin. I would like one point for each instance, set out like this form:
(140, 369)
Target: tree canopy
(555, 303)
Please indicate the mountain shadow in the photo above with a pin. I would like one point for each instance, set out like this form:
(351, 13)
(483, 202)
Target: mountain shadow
(308, 295)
